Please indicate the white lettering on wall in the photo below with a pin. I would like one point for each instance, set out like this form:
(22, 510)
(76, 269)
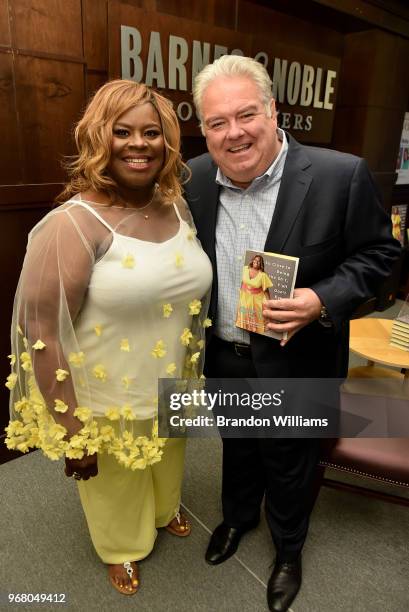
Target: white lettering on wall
(262, 57)
(178, 54)
(131, 47)
(184, 111)
(279, 78)
(155, 74)
(293, 83)
(329, 89)
(219, 50)
(307, 90)
(317, 91)
(200, 57)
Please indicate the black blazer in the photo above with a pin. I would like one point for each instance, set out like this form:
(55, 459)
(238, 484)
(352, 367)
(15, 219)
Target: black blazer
(329, 215)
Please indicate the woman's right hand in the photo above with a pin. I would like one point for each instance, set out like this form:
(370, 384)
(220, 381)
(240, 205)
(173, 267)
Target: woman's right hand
(82, 469)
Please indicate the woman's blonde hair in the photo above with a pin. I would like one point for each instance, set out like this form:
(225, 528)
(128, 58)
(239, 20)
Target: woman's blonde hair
(93, 137)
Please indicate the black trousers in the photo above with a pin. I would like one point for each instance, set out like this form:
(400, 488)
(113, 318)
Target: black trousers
(284, 470)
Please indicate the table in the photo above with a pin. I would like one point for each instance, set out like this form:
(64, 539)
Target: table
(370, 339)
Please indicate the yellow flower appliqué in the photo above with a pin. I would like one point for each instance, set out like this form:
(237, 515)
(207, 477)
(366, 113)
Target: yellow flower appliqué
(98, 329)
(26, 362)
(126, 381)
(74, 453)
(128, 261)
(186, 336)
(60, 406)
(195, 357)
(61, 374)
(190, 235)
(200, 344)
(112, 413)
(167, 310)
(11, 381)
(77, 359)
(99, 371)
(179, 260)
(39, 345)
(207, 323)
(194, 307)
(82, 413)
(124, 346)
(127, 412)
(12, 359)
(171, 368)
(159, 350)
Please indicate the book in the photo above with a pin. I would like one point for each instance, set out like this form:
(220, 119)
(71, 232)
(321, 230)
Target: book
(400, 331)
(398, 217)
(264, 276)
(403, 347)
(397, 333)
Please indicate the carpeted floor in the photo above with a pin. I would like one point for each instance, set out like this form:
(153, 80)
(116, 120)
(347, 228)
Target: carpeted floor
(356, 558)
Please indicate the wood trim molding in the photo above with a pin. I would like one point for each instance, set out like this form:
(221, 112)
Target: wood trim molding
(27, 196)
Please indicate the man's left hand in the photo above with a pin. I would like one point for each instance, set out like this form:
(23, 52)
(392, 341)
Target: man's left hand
(292, 314)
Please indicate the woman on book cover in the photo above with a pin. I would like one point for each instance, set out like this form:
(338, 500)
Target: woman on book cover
(396, 221)
(254, 289)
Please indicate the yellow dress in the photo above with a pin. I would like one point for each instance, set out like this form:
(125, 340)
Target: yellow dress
(252, 295)
(396, 220)
(128, 312)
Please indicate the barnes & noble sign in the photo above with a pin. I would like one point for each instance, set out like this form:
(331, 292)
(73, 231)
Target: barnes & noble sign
(167, 52)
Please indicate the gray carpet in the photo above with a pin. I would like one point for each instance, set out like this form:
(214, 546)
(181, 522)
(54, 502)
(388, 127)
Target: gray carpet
(356, 557)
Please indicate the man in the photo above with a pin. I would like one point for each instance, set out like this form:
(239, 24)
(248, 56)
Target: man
(261, 190)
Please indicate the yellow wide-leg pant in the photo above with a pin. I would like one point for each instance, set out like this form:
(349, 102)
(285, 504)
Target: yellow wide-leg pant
(123, 508)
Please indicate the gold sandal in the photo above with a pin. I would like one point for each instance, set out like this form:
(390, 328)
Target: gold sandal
(179, 526)
(131, 569)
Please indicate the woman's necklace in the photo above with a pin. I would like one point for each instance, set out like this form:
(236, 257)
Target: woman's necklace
(140, 209)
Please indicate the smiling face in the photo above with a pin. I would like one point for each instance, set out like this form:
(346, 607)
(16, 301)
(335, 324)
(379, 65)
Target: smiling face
(240, 137)
(256, 264)
(138, 148)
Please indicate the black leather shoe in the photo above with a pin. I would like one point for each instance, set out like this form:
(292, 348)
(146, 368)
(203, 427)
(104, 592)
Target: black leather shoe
(223, 543)
(283, 586)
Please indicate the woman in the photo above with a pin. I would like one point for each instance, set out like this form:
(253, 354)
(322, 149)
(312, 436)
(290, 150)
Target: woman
(112, 296)
(396, 223)
(253, 291)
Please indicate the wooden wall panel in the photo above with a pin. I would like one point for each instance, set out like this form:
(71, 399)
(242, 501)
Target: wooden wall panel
(221, 13)
(196, 10)
(225, 14)
(10, 166)
(376, 69)
(363, 131)
(51, 26)
(5, 38)
(50, 98)
(256, 19)
(94, 81)
(95, 16)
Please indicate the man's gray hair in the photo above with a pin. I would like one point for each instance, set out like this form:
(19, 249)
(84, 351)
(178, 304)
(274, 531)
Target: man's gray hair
(231, 66)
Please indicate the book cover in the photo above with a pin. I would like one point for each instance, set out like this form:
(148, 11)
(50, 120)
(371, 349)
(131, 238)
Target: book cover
(398, 217)
(265, 276)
